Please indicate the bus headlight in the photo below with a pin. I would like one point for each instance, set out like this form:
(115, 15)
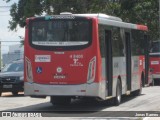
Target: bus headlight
(91, 70)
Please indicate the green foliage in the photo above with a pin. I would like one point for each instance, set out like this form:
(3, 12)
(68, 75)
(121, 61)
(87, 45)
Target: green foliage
(142, 12)
(134, 11)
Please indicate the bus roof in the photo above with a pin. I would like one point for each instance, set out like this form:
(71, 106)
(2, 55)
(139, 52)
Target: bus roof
(107, 20)
(114, 21)
(101, 15)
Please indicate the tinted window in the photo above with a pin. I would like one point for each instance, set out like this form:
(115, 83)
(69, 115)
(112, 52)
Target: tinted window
(117, 44)
(13, 67)
(61, 32)
(138, 42)
(102, 39)
(155, 47)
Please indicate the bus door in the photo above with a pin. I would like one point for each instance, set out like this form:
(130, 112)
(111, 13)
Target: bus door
(108, 58)
(128, 59)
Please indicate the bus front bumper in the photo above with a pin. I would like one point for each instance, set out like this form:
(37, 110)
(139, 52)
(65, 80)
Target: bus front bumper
(155, 76)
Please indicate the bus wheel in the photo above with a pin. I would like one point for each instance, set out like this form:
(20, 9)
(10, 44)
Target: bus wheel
(0, 93)
(60, 100)
(117, 99)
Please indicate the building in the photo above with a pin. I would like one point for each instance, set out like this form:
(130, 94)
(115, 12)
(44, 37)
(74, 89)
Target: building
(15, 52)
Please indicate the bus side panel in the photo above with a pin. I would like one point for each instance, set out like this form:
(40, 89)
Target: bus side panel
(119, 72)
(26, 50)
(137, 69)
(99, 85)
(138, 61)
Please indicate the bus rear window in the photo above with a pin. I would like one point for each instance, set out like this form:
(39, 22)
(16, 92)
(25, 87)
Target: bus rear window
(60, 32)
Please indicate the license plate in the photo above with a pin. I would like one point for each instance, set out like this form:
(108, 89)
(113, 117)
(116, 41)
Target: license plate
(7, 86)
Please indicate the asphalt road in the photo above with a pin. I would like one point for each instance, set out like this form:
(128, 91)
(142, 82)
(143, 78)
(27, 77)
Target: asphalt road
(148, 102)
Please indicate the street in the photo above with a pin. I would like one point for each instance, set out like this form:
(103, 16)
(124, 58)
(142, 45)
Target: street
(147, 101)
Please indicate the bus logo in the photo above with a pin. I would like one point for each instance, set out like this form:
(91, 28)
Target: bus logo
(59, 70)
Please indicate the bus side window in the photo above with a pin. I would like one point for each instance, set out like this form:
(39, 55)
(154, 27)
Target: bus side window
(138, 43)
(118, 46)
(102, 40)
(122, 34)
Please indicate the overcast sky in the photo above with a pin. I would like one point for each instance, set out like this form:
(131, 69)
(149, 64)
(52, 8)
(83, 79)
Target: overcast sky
(5, 34)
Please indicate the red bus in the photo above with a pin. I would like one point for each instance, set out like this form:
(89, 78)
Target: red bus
(69, 56)
(155, 61)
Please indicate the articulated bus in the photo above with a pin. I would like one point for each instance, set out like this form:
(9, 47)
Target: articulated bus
(155, 61)
(71, 56)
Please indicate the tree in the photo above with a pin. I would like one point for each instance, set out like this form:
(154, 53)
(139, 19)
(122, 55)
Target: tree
(142, 12)
(134, 11)
(28, 8)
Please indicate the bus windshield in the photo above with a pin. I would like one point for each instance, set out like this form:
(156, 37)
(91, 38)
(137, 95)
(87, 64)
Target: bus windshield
(60, 32)
(155, 47)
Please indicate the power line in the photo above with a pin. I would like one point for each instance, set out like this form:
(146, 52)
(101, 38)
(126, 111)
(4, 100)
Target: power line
(5, 45)
(5, 15)
(10, 41)
(5, 6)
(5, 11)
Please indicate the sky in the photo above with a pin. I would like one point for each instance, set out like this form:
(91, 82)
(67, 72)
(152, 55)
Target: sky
(5, 33)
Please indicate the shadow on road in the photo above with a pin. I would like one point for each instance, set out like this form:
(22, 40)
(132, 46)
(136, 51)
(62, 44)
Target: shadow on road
(128, 98)
(81, 106)
(8, 94)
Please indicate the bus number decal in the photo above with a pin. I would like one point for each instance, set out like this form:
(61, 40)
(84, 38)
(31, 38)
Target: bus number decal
(76, 60)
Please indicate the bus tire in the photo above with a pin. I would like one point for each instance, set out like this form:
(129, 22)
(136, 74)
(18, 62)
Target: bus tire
(0, 93)
(59, 100)
(118, 98)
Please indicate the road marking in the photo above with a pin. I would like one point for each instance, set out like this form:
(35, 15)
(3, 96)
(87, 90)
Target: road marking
(146, 118)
